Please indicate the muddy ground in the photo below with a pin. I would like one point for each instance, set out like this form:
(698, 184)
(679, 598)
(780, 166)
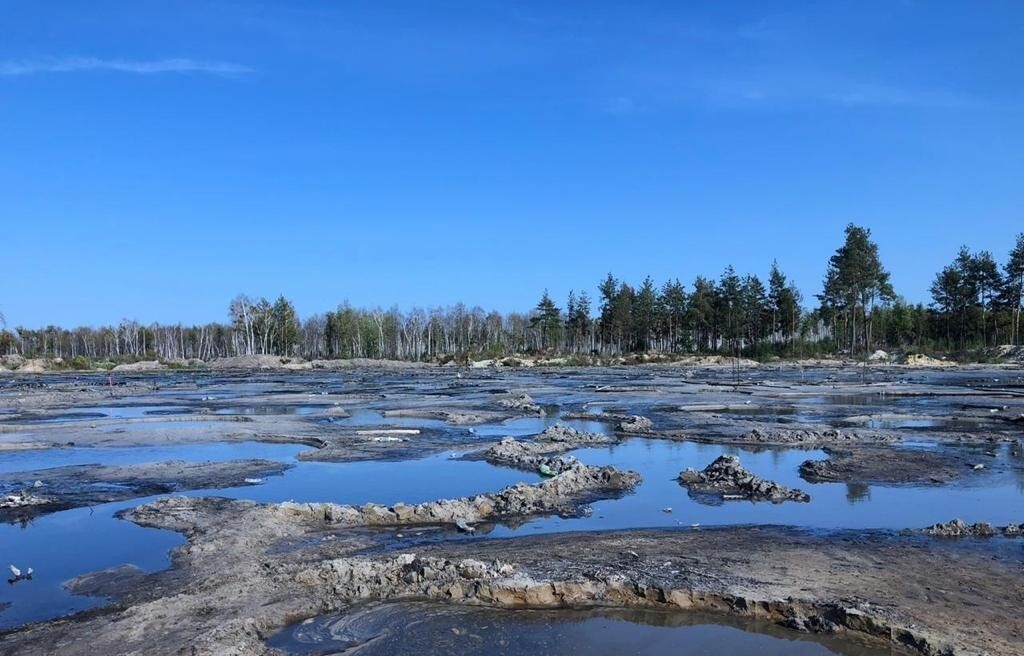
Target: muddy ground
(250, 569)
(28, 494)
(912, 592)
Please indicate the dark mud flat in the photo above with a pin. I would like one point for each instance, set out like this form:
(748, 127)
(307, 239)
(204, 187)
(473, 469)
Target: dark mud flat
(408, 629)
(28, 494)
(869, 465)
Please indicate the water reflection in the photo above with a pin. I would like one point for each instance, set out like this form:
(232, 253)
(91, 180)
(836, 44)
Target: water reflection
(422, 628)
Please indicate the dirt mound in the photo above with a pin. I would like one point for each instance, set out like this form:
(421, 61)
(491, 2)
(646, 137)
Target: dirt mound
(769, 435)
(145, 365)
(1010, 353)
(635, 424)
(921, 360)
(11, 361)
(33, 366)
(571, 436)
(258, 362)
(882, 466)
(368, 363)
(726, 478)
(522, 403)
(541, 452)
(576, 485)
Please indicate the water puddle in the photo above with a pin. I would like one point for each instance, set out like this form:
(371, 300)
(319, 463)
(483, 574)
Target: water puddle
(832, 505)
(417, 628)
(518, 427)
(14, 461)
(63, 545)
(74, 542)
(409, 481)
(70, 543)
(263, 410)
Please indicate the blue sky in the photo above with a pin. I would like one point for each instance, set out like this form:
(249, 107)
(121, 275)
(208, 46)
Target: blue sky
(158, 158)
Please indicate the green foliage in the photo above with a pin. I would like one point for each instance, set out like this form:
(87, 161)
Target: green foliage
(547, 319)
(854, 282)
(79, 363)
(977, 303)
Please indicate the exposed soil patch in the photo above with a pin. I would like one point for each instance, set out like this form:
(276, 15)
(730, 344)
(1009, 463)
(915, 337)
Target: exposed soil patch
(32, 493)
(233, 589)
(886, 466)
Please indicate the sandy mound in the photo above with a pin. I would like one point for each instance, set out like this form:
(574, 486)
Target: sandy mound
(921, 360)
(368, 363)
(33, 366)
(1011, 353)
(718, 361)
(145, 365)
(11, 361)
(258, 362)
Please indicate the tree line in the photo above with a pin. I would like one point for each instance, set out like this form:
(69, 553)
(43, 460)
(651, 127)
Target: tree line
(976, 303)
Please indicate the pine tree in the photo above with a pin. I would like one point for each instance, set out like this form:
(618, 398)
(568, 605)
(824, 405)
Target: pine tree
(644, 314)
(854, 282)
(1013, 287)
(548, 320)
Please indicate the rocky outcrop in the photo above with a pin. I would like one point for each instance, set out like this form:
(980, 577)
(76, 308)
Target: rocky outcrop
(540, 452)
(523, 403)
(811, 436)
(958, 528)
(574, 486)
(571, 437)
(635, 424)
(728, 480)
(528, 456)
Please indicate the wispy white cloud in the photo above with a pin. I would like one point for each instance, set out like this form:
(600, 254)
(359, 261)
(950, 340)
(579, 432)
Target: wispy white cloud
(138, 67)
(782, 88)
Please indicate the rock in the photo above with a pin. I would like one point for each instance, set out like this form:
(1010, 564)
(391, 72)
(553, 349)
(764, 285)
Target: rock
(812, 436)
(921, 360)
(726, 478)
(958, 528)
(571, 436)
(541, 453)
(522, 403)
(635, 424)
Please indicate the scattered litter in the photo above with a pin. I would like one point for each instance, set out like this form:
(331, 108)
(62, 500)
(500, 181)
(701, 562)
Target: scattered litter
(545, 470)
(461, 524)
(18, 575)
(254, 481)
(666, 510)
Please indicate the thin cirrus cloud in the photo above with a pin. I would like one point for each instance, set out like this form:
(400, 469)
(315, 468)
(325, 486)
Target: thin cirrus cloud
(137, 67)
